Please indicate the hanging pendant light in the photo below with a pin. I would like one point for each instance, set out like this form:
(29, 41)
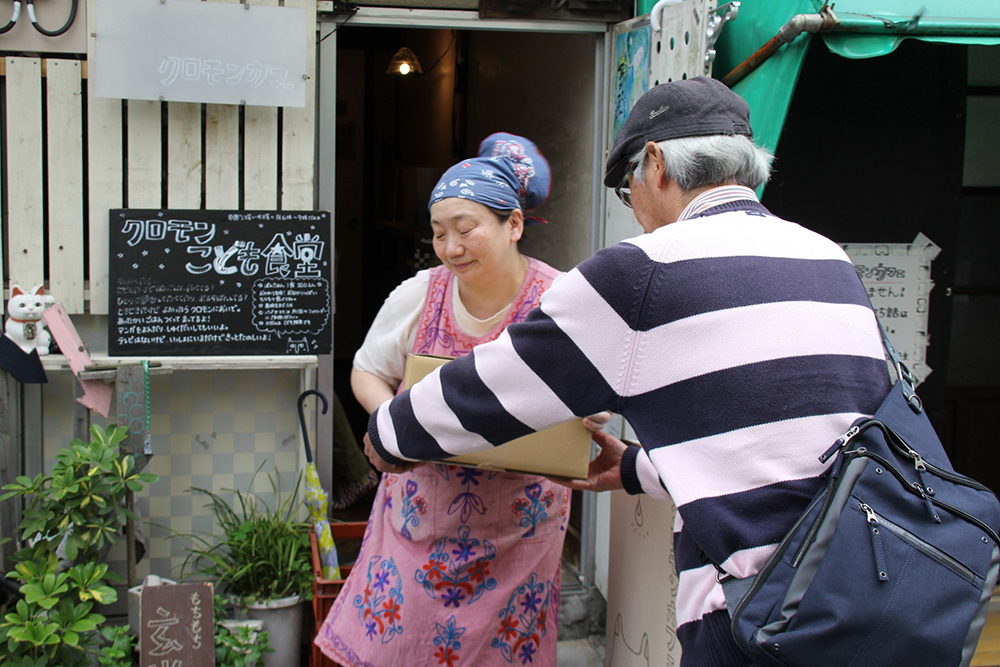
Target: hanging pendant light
(404, 62)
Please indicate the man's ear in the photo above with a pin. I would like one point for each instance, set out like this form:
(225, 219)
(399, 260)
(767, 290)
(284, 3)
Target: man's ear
(654, 165)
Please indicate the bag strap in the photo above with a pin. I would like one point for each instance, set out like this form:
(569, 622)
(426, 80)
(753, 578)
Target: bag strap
(903, 375)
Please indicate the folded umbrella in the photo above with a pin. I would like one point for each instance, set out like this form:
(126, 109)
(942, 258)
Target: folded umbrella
(317, 500)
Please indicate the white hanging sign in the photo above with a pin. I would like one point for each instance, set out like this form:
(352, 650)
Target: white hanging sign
(184, 51)
(898, 279)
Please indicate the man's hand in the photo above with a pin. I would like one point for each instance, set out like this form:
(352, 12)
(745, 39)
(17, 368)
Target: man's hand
(382, 465)
(604, 473)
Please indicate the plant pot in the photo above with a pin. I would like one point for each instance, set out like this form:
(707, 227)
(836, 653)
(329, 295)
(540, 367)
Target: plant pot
(283, 623)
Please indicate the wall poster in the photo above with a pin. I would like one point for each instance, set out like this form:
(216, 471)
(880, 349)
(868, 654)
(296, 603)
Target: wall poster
(630, 77)
(898, 279)
(189, 283)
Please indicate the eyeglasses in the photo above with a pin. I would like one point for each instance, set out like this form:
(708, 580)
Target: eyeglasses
(623, 191)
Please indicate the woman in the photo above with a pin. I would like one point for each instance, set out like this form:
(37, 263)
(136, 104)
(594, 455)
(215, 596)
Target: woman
(458, 566)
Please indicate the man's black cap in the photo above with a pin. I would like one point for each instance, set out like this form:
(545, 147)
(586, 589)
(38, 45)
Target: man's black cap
(688, 108)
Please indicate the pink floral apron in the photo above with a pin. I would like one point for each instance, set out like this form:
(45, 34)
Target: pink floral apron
(458, 566)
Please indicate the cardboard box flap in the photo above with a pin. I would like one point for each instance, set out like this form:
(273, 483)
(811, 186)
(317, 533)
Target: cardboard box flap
(560, 451)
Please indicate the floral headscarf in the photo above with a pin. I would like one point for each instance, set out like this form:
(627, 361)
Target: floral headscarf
(510, 173)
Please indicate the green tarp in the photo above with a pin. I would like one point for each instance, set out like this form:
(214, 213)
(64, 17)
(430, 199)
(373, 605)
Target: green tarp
(868, 28)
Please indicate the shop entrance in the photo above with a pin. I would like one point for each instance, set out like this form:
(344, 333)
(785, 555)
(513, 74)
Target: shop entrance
(396, 134)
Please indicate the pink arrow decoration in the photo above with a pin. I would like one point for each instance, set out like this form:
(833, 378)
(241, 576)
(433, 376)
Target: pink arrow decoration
(96, 393)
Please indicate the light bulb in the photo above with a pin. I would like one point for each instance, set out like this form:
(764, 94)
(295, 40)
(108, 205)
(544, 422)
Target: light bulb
(404, 68)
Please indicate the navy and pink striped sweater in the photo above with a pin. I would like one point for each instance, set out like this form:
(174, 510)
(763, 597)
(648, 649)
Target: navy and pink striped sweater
(739, 346)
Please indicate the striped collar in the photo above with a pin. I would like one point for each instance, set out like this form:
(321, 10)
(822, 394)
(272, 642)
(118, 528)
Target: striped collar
(716, 196)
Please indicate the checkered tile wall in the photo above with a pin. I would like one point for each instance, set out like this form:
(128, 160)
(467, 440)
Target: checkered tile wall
(210, 429)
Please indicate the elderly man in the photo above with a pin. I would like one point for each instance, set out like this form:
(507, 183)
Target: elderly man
(737, 345)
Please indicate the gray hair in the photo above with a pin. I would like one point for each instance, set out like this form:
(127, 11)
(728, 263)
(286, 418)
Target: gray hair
(695, 162)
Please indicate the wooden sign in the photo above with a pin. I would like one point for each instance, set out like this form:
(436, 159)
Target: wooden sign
(177, 626)
(187, 283)
(222, 53)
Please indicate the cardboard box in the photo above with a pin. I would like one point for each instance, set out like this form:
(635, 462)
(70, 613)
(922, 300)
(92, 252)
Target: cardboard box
(560, 451)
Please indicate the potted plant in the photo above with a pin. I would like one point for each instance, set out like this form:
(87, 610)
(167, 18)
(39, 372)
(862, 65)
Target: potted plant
(71, 514)
(238, 642)
(261, 559)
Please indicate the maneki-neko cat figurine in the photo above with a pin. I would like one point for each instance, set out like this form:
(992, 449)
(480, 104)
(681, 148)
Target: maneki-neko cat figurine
(24, 319)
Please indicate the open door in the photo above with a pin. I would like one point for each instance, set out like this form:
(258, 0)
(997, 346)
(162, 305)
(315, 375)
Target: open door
(641, 586)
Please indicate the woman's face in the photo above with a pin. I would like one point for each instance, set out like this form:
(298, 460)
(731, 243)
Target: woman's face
(471, 241)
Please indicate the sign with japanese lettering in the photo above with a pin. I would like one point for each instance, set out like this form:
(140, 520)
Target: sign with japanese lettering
(189, 283)
(898, 279)
(176, 626)
(182, 51)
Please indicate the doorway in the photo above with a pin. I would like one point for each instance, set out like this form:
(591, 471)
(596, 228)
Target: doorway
(396, 134)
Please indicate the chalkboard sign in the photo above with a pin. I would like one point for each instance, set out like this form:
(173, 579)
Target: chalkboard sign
(188, 283)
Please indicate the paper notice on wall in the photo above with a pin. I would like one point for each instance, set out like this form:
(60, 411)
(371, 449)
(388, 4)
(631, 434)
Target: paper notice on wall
(898, 279)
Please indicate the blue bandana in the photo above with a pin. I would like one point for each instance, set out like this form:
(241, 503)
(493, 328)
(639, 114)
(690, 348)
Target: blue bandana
(510, 173)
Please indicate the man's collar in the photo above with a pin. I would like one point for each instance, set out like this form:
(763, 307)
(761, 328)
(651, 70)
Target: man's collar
(716, 196)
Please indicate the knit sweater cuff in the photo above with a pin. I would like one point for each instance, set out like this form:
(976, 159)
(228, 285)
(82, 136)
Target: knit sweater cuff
(377, 442)
(630, 478)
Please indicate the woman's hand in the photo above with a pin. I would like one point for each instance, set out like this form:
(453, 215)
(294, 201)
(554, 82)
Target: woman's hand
(382, 465)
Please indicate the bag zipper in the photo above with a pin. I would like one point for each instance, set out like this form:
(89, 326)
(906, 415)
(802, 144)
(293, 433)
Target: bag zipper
(921, 464)
(876, 537)
(901, 446)
(918, 490)
(875, 519)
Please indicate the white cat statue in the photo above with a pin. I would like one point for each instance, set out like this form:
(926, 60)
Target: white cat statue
(24, 319)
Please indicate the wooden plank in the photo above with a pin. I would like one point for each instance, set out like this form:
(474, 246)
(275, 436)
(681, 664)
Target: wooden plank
(298, 146)
(260, 158)
(184, 155)
(64, 91)
(145, 154)
(102, 362)
(988, 651)
(24, 173)
(104, 173)
(10, 465)
(222, 150)
(260, 151)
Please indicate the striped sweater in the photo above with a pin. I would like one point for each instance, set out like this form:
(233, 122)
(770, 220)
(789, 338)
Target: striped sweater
(739, 346)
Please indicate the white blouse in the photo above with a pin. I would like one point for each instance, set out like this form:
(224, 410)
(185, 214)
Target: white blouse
(391, 336)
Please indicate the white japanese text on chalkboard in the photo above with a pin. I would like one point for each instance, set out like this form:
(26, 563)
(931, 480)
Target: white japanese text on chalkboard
(219, 282)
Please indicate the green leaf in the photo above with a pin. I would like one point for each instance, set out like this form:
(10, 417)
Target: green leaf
(104, 594)
(83, 625)
(72, 548)
(32, 593)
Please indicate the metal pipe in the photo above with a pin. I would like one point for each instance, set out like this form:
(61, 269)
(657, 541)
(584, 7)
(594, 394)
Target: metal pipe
(825, 21)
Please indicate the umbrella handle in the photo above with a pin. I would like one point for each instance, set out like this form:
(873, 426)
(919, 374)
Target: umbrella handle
(302, 418)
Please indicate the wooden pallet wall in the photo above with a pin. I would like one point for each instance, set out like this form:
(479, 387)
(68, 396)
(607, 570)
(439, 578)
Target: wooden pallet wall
(69, 156)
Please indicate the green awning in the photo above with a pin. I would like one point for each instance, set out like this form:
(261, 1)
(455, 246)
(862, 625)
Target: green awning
(868, 28)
